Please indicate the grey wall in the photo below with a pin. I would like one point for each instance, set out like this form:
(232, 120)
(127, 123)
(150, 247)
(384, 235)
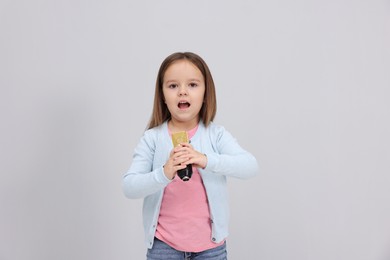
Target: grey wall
(303, 85)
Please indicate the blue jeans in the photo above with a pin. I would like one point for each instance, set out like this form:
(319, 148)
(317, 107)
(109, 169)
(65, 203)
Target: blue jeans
(162, 251)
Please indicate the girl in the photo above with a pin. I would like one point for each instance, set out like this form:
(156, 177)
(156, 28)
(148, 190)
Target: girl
(185, 219)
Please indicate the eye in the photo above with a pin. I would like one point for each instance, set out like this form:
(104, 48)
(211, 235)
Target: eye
(172, 86)
(193, 84)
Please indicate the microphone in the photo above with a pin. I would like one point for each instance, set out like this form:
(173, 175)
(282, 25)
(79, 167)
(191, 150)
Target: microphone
(178, 138)
(186, 173)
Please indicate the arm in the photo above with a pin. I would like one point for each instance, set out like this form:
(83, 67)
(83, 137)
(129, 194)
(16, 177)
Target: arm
(230, 158)
(141, 179)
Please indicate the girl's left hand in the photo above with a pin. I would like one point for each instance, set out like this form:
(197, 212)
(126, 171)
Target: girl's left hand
(197, 159)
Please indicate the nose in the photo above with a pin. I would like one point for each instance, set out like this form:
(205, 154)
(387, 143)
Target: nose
(183, 91)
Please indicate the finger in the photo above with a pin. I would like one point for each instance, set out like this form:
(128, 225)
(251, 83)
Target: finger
(181, 160)
(180, 148)
(183, 153)
(187, 145)
(180, 167)
(177, 155)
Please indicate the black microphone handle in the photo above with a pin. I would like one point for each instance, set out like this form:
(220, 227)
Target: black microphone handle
(186, 173)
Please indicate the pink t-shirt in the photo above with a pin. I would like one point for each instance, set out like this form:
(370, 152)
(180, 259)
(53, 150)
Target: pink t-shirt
(184, 220)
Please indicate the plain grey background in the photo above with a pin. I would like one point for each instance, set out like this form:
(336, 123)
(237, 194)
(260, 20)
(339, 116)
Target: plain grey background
(304, 85)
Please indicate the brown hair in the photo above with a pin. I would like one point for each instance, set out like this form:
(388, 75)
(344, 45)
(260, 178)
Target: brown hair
(160, 111)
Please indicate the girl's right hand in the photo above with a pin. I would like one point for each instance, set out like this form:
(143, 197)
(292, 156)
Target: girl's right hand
(175, 162)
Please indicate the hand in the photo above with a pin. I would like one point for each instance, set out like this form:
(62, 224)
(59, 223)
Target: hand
(175, 162)
(180, 157)
(197, 159)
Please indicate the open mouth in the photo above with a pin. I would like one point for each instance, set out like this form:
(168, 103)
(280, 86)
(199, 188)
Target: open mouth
(184, 105)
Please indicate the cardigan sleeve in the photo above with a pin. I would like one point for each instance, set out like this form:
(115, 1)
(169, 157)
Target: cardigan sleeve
(229, 158)
(141, 179)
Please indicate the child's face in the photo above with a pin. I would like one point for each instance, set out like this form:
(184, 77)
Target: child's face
(183, 89)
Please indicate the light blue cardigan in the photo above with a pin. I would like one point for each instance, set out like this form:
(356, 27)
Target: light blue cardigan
(146, 179)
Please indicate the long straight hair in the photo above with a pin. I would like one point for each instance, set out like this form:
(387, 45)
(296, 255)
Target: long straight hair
(160, 112)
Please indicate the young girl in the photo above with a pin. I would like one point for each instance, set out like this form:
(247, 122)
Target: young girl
(185, 219)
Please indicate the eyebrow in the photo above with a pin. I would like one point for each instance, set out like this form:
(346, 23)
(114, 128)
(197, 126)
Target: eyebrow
(198, 80)
(169, 81)
(173, 80)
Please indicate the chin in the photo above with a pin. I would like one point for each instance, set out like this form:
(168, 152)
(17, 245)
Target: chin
(185, 120)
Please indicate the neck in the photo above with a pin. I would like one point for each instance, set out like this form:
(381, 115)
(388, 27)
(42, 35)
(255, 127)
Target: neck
(177, 126)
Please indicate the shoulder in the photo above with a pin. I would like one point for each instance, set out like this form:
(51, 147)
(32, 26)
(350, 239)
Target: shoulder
(214, 127)
(151, 135)
(216, 131)
(153, 131)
